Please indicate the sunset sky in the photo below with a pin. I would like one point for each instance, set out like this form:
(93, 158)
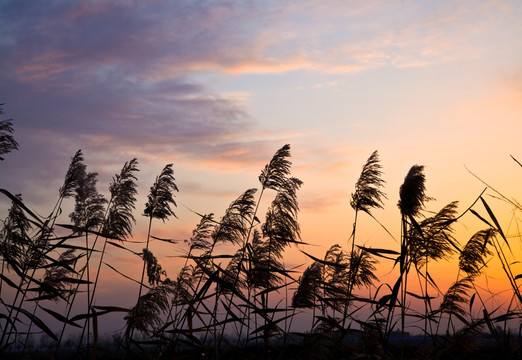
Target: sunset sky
(216, 87)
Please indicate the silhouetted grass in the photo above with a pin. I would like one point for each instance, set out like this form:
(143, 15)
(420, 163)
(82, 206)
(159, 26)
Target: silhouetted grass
(227, 305)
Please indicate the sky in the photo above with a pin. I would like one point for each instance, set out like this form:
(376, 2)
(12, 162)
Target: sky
(216, 87)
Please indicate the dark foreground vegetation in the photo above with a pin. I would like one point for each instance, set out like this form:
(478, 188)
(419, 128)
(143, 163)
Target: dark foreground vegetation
(242, 304)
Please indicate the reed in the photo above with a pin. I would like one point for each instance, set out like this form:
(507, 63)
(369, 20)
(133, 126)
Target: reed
(234, 276)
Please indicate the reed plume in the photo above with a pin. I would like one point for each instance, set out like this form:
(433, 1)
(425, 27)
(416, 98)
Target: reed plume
(14, 236)
(119, 220)
(456, 297)
(161, 196)
(7, 140)
(368, 193)
(234, 225)
(309, 286)
(361, 271)
(412, 191)
(471, 259)
(90, 205)
(433, 238)
(56, 283)
(75, 172)
(277, 170)
(154, 269)
(147, 313)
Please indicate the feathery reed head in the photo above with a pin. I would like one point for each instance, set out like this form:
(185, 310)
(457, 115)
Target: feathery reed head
(435, 240)
(412, 191)
(368, 194)
(161, 195)
(276, 171)
(362, 268)
(234, 225)
(56, 282)
(471, 259)
(90, 205)
(455, 297)
(265, 265)
(120, 218)
(154, 269)
(309, 284)
(75, 172)
(201, 235)
(147, 312)
(7, 141)
(14, 238)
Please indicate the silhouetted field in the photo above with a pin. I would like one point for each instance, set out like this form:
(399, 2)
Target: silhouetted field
(242, 304)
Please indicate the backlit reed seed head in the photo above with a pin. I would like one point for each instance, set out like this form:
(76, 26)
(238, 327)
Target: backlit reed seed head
(90, 205)
(368, 194)
(161, 197)
(147, 312)
(154, 269)
(362, 268)
(202, 234)
(263, 257)
(412, 192)
(75, 172)
(436, 237)
(120, 218)
(7, 140)
(456, 296)
(309, 285)
(471, 259)
(276, 171)
(234, 225)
